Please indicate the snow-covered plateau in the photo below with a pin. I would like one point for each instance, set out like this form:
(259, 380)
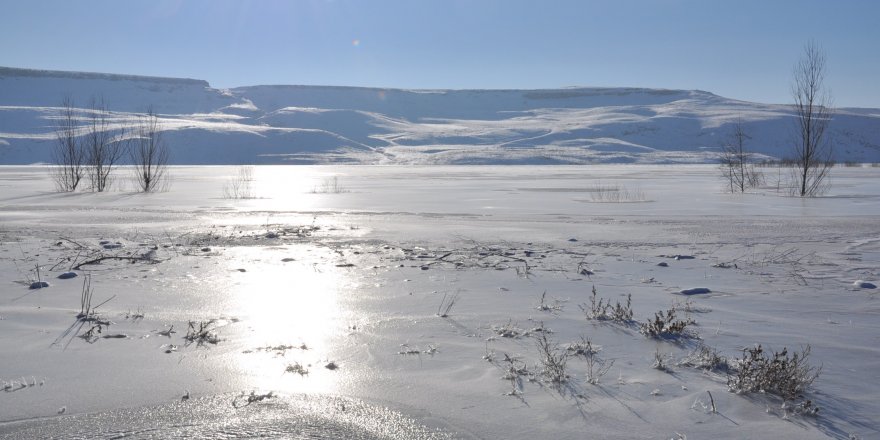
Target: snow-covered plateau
(320, 124)
(392, 302)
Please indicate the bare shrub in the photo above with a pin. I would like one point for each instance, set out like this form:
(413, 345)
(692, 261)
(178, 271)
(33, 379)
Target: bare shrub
(67, 155)
(297, 368)
(103, 150)
(601, 309)
(782, 374)
(665, 325)
(600, 193)
(707, 359)
(554, 306)
(201, 333)
(596, 366)
(240, 186)
(553, 359)
(514, 371)
(661, 361)
(330, 185)
(509, 330)
(737, 166)
(87, 312)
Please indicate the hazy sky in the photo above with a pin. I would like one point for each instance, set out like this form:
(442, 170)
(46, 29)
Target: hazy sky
(741, 49)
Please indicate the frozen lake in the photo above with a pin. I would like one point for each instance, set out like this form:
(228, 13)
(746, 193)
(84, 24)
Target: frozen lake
(324, 287)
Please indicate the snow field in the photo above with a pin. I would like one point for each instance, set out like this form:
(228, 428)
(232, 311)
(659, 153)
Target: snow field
(356, 279)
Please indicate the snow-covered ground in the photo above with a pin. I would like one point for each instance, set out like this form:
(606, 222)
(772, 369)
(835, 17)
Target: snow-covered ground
(321, 124)
(325, 290)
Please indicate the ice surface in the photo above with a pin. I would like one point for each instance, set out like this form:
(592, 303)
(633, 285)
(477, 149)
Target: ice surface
(300, 277)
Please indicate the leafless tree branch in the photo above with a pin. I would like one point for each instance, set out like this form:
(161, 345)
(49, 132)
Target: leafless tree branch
(102, 150)
(812, 105)
(736, 162)
(149, 153)
(67, 155)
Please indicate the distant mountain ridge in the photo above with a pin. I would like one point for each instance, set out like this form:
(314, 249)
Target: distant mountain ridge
(13, 71)
(332, 124)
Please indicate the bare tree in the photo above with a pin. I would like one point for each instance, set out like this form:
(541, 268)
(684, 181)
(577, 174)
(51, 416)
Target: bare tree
(736, 161)
(812, 105)
(149, 153)
(67, 155)
(102, 150)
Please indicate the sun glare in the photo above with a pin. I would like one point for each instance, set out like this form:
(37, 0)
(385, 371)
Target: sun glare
(292, 306)
(284, 188)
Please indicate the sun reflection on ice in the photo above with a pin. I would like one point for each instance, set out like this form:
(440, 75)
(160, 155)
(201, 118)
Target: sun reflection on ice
(290, 303)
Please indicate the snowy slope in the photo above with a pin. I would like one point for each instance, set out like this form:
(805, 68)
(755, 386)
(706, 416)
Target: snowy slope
(280, 124)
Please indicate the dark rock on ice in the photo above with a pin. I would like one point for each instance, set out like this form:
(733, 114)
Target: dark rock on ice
(694, 291)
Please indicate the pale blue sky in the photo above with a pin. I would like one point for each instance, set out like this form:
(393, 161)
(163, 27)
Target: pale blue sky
(741, 49)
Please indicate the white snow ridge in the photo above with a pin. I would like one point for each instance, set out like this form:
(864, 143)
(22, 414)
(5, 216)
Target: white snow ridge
(315, 124)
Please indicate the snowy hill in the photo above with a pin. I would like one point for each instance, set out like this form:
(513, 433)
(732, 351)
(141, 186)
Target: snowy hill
(315, 124)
